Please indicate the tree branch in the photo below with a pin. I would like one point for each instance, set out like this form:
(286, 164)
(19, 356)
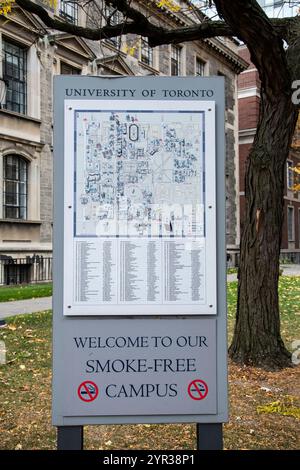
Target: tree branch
(139, 24)
(252, 26)
(107, 31)
(128, 11)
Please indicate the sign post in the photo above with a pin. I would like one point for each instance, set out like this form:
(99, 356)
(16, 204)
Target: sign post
(139, 330)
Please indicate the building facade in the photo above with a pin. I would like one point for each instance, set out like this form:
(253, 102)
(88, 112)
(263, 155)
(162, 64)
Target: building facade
(279, 8)
(249, 103)
(31, 56)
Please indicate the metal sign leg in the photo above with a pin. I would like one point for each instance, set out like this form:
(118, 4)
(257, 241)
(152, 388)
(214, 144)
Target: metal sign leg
(210, 436)
(70, 438)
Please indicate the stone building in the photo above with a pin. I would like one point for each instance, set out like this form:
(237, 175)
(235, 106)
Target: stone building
(31, 56)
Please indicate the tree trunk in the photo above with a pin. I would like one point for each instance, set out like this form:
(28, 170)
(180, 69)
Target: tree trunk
(257, 339)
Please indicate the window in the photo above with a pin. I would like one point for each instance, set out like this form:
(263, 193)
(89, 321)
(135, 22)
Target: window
(69, 11)
(146, 52)
(66, 69)
(175, 60)
(290, 174)
(14, 75)
(290, 223)
(114, 17)
(200, 67)
(15, 177)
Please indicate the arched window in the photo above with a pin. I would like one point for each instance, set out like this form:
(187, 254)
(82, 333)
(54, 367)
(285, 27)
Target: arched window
(15, 175)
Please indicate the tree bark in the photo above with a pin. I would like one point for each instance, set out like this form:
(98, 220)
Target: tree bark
(257, 340)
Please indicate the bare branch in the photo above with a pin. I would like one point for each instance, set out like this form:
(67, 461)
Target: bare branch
(139, 24)
(128, 11)
(87, 33)
(135, 22)
(252, 25)
(109, 18)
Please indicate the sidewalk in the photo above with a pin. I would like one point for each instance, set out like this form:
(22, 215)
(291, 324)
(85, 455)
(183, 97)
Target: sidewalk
(290, 269)
(287, 270)
(9, 309)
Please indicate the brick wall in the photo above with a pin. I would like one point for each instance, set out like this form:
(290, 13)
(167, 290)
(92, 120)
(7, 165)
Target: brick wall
(245, 54)
(248, 112)
(248, 80)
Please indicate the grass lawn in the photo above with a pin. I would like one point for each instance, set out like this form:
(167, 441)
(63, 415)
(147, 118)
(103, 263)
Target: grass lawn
(264, 406)
(232, 270)
(26, 291)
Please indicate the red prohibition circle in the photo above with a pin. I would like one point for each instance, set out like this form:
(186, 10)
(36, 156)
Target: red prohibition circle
(88, 391)
(198, 389)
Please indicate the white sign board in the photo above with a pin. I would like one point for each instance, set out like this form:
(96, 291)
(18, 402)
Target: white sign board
(139, 208)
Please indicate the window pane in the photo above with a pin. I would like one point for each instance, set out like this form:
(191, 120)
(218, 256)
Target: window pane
(146, 52)
(175, 60)
(114, 16)
(174, 67)
(11, 213)
(290, 224)
(11, 193)
(200, 67)
(66, 69)
(15, 187)
(10, 169)
(290, 175)
(69, 11)
(23, 171)
(22, 213)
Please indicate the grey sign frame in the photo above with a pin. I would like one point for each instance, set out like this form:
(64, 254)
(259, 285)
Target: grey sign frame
(212, 89)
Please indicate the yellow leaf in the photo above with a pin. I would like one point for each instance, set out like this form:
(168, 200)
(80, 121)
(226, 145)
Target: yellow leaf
(168, 4)
(11, 327)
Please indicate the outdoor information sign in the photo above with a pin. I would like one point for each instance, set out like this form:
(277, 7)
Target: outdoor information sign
(139, 251)
(139, 219)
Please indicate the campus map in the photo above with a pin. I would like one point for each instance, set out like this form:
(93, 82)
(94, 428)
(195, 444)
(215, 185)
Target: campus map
(139, 174)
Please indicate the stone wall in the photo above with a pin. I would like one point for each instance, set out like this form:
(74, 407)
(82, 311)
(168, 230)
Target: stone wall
(46, 181)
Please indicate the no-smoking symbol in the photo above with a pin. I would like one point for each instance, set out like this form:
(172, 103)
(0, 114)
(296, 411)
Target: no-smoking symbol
(198, 389)
(88, 391)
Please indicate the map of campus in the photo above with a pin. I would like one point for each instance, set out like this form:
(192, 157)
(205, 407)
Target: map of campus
(139, 173)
